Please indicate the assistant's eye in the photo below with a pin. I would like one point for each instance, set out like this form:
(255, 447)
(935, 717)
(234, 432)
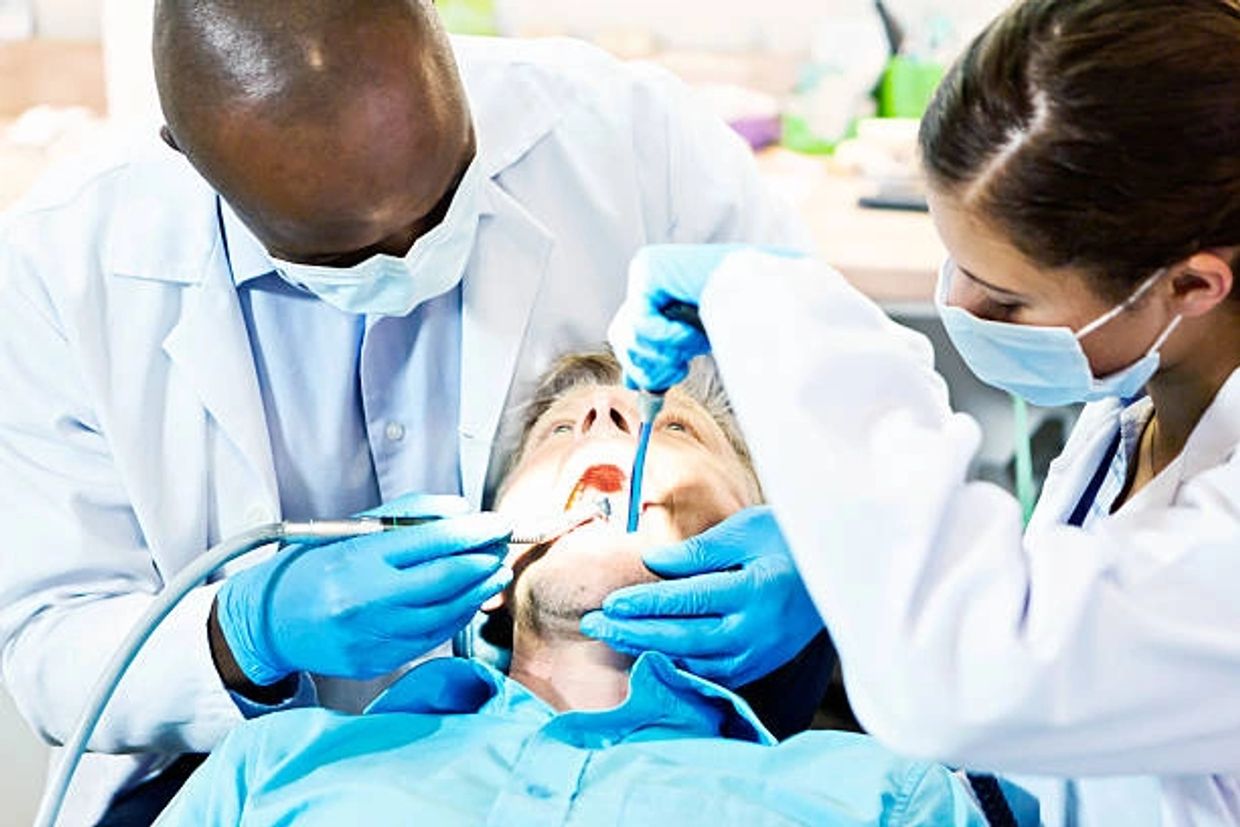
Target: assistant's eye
(1002, 311)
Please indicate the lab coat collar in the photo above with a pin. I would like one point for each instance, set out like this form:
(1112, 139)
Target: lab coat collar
(1212, 442)
(513, 107)
(166, 224)
(502, 282)
(1217, 435)
(165, 227)
(247, 257)
(663, 702)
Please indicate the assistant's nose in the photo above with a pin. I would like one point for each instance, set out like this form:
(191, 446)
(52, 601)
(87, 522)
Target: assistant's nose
(608, 413)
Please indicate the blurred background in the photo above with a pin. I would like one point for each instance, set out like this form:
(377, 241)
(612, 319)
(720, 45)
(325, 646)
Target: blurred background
(828, 93)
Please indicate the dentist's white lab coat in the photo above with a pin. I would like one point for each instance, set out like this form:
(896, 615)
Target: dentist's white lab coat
(1112, 650)
(132, 434)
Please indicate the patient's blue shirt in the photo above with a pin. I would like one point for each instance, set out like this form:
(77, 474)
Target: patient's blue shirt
(456, 742)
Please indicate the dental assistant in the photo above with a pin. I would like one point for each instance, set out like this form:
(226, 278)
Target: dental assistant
(357, 242)
(1084, 168)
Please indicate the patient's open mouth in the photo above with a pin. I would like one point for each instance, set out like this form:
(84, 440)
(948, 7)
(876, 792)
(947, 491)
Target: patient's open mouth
(605, 479)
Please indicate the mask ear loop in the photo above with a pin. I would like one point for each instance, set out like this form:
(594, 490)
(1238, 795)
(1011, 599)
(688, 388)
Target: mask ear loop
(1166, 334)
(1126, 305)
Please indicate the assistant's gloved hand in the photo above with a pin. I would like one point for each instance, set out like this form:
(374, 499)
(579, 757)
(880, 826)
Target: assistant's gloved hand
(736, 610)
(360, 608)
(655, 350)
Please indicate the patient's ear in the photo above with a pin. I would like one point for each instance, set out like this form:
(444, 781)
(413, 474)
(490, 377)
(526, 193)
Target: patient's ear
(499, 602)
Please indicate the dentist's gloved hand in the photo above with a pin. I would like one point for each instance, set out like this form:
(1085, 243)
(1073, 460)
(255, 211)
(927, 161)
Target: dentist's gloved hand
(735, 611)
(360, 608)
(654, 349)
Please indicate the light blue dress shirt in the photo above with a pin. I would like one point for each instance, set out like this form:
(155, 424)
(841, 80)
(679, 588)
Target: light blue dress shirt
(360, 409)
(455, 742)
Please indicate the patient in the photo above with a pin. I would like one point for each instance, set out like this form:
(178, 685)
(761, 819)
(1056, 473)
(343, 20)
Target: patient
(576, 733)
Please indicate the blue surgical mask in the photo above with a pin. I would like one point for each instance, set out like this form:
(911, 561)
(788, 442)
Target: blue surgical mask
(387, 285)
(1044, 365)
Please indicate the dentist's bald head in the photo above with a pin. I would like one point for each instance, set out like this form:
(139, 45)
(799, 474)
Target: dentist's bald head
(336, 128)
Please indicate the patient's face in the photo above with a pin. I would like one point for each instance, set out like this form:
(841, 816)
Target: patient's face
(582, 448)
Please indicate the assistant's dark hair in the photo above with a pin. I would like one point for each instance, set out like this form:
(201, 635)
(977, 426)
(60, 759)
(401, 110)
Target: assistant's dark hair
(1097, 134)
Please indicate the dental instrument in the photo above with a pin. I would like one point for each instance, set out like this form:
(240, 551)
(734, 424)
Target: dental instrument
(649, 404)
(535, 532)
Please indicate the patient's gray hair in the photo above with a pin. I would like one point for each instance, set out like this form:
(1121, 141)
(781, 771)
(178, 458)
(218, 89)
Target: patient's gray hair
(600, 367)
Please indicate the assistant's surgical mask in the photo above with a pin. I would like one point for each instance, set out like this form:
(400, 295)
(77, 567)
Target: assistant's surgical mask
(1044, 365)
(388, 285)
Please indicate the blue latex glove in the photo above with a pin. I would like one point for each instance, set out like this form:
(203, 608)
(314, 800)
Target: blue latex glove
(655, 351)
(735, 610)
(360, 608)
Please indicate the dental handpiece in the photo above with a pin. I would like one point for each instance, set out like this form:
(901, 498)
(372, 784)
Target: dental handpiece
(526, 532)
(538, 531)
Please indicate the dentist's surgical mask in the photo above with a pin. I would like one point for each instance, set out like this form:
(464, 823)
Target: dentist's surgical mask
(387, 285)
(1044, 365)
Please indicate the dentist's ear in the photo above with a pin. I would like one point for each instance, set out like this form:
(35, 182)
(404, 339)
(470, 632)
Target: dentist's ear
(166, 135)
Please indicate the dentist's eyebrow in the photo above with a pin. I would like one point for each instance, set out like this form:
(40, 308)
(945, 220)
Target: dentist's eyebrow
(992, 287)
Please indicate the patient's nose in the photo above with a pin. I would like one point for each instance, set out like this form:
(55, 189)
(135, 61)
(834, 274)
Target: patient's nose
(608, 414)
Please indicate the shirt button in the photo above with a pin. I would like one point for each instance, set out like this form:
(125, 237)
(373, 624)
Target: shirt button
(394, 432)
(538, 791)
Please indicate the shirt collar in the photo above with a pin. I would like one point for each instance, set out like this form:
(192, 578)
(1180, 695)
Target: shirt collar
(664, 702)
(247, 257)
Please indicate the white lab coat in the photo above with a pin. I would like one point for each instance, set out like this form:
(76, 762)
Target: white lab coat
(132, 435)
(1113, 650)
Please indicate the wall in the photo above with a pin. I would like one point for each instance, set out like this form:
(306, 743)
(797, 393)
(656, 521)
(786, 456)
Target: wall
(71, 19)
(779, 24)
(688, 22)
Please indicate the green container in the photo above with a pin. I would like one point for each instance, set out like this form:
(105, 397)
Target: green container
(468, 16)
(798, 137)
(907, 87)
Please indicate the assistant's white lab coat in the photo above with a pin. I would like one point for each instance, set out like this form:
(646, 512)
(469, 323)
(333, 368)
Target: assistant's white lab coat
(1113, 650)
(132, 435)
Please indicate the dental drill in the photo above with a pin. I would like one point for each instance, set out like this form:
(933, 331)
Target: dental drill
(198, 570)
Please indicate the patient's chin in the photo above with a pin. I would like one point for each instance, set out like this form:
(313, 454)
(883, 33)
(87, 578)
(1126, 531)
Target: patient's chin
(582, 568)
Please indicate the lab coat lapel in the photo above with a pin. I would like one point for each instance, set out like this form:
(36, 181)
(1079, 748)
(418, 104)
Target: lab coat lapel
(502, 281)
(169, 232)
(210, 346)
